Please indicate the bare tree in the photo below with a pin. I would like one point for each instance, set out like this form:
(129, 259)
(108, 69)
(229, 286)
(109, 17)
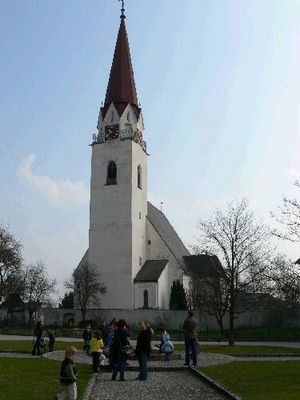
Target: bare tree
(285, 282)
(37, 287)
(86, 286)
(289, 217)
(241, 244)
(211, 296)
(10, 262)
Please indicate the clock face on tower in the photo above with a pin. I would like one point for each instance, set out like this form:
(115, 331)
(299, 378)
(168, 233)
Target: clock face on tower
(111, 132)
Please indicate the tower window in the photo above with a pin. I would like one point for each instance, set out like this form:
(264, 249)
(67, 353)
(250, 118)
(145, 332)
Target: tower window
(140, 260)
(112, 117)
(139, 177)
(111, 178)
(128, 116)
(146, 299)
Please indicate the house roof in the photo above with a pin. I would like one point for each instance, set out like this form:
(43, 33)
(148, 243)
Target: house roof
(151, 271)
(168, 234)
(203, 265)
(121, 86)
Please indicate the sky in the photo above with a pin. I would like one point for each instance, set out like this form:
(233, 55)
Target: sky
(219, 85)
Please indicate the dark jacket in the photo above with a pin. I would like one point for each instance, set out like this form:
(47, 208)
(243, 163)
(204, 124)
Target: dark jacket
(38, 330)
(189, 327)
(67, 372)
(143, 344)
(87, 334)
(120, 340)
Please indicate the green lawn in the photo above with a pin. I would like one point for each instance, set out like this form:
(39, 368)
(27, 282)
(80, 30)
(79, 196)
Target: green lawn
(25, 346)
(243, 350)
(35, 379)
(259, 380)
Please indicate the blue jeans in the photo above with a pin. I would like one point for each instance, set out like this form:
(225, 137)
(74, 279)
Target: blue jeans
(167, 355)
(120, 366)
(143, 358)
(190, 347)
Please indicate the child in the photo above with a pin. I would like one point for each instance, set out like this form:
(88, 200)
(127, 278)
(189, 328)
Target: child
(96, 350)
(68, 376)
(168, 347)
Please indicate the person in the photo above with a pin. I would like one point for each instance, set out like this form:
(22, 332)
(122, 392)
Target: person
(190, 338)
(103, 328)
(38, 332)
(120, 343)
(143, 349)
(96, 350)
(110, 339)
(168, 347)
(68, 376)
(87, 336)
(51, 340)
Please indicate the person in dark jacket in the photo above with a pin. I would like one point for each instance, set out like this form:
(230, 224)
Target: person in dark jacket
(51, 340)
(190, 338)
(38, 333)
(120, 343)
(68, 376)
(143, 349)
(87, 337)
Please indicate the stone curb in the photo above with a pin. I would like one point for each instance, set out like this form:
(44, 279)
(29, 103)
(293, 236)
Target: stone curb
(89, 387)
(218, 388)
(274, 355)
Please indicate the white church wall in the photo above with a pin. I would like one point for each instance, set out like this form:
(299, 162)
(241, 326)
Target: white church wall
(138, 208)
(139, 289)
(163, 289)
(157, 249)
(110, 244)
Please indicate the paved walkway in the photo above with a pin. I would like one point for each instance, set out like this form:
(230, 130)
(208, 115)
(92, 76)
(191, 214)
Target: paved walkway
(176, 385)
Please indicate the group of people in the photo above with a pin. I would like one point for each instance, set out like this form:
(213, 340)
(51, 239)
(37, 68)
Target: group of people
(116, 337)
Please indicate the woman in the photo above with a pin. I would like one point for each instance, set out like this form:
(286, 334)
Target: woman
(120, 342)
(143, 349)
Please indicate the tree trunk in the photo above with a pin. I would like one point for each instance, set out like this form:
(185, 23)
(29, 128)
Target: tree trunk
(220, 323)
(231, 327)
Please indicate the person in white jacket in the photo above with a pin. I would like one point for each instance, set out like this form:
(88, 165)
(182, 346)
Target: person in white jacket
(168, 347)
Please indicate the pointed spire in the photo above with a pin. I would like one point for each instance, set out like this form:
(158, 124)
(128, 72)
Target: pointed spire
(121, 86)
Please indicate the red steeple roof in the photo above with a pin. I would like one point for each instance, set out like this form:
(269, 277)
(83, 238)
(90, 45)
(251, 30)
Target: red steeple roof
(121, 87)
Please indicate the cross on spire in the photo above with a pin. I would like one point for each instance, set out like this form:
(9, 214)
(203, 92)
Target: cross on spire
(122, 9)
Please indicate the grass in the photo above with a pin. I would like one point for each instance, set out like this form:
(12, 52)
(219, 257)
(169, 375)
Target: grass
(263, 380)
(244, 350)
(25, 346)
(37, 379)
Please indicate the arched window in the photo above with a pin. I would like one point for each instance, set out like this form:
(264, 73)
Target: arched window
(139, 176)
(112, 116)
(128, 117)
(111, 178)
(146, 299)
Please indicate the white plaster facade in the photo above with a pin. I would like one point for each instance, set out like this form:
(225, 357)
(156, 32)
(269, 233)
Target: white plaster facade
(118, 211)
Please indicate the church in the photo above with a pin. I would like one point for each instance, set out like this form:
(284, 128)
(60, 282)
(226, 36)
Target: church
(132, 244)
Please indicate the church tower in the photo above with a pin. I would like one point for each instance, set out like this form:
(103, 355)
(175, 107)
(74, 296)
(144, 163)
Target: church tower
(118, 205)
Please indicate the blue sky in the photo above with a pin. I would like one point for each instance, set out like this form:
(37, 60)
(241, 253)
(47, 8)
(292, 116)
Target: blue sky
(219, 85)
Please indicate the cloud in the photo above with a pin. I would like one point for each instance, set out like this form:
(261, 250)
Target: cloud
(294, 173)
(57, 192)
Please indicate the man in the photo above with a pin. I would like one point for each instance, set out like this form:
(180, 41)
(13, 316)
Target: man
(190, 338)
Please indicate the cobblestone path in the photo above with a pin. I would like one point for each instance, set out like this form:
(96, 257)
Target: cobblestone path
(179, 385)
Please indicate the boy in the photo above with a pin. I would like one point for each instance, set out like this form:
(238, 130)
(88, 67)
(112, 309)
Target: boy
(68, 376)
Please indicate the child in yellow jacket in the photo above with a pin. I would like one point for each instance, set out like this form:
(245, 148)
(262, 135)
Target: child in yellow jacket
(96, 350)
